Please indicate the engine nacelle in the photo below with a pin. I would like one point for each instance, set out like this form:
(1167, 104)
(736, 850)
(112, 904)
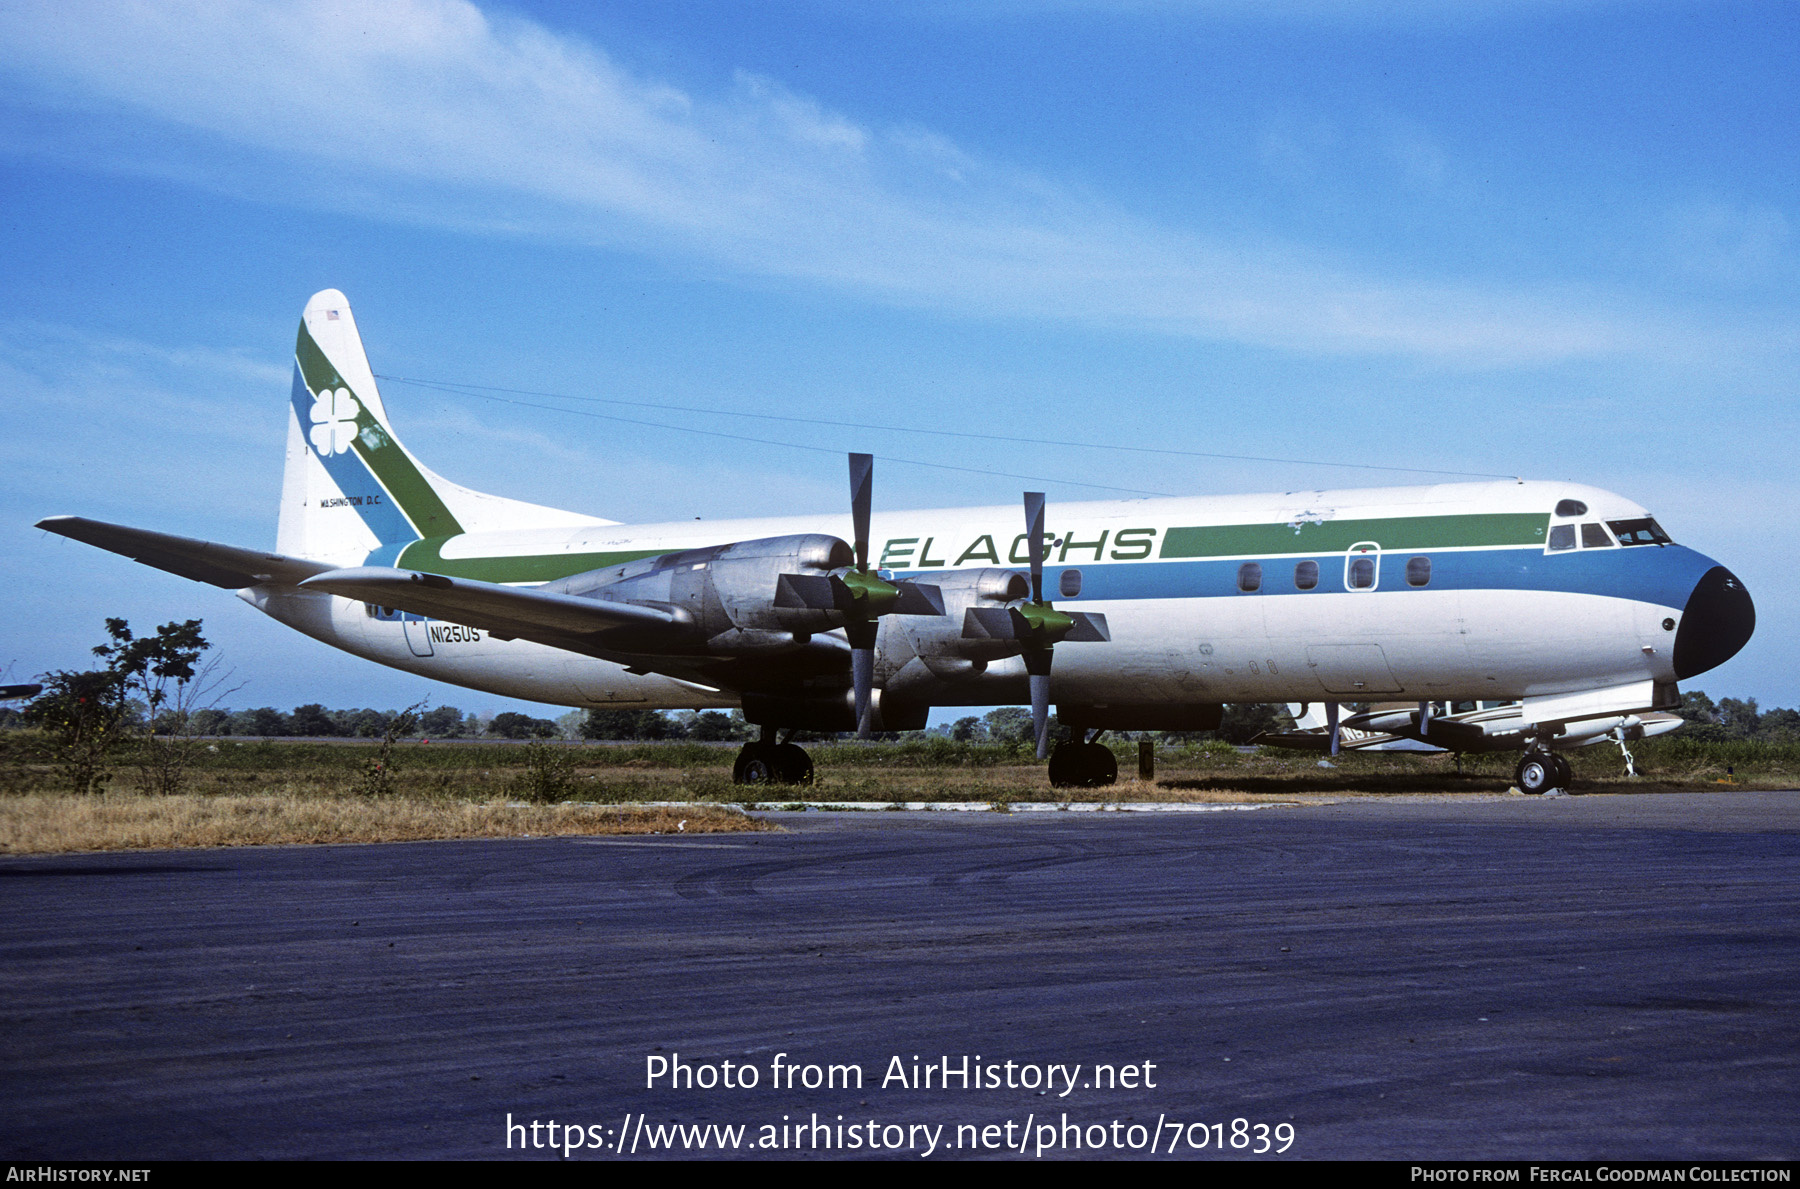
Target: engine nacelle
(945, 644)
(723, 589)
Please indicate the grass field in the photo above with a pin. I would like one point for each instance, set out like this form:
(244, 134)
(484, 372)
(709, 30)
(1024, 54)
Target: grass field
(281, 791)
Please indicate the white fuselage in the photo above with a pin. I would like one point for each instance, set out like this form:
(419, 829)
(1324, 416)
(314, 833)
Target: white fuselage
(1499, 616)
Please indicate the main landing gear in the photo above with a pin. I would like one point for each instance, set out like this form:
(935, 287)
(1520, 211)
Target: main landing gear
(768, 762)
(1083, 763)
(1541, 771)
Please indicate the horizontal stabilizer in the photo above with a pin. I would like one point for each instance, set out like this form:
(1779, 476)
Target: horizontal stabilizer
(201, 561)
(506, 611)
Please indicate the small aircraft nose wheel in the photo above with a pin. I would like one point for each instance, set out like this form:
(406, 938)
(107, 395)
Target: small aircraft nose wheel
(1539, 772)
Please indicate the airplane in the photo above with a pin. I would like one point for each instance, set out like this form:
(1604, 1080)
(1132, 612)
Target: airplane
(1569, 600)
(1463, 727)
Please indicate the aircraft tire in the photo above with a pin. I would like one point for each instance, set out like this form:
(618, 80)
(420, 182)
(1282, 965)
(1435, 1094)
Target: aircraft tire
(1082, 766)
(1065, 766)
(1564, 772)
(1536, 773)
(755, 765)
(792, 764)
(1101, 764)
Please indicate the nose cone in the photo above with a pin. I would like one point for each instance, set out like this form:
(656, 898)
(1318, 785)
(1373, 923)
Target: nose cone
(1717, 622)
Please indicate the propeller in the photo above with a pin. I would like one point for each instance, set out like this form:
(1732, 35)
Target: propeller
(861, 594)
(870, 595)
(1042, 624)
(1036, 626)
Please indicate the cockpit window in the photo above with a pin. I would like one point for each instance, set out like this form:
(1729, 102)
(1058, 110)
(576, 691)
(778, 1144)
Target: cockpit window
(1639, 532)
(1571, 508)
(1594, 537)
(1562, 537)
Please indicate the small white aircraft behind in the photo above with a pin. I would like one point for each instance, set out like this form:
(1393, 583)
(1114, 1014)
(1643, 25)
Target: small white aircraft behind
(1465, 727)
(1568, 600)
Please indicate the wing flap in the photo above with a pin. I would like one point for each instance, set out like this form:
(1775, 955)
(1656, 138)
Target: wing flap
(201, 561)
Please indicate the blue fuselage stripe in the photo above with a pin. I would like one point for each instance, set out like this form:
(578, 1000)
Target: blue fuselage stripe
(1663, 575)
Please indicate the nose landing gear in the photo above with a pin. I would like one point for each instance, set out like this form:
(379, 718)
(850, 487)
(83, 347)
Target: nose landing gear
(1541, 771)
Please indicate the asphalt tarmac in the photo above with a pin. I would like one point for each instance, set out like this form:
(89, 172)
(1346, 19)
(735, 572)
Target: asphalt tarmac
(1600, 977)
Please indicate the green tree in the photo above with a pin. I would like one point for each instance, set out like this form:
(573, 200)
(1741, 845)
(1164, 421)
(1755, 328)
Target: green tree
(83, 715)
(442, 722)
(968, 730)
(312, 720)
(629, 724)
(513, 725)
(89, 715)
(716, 726)
(264, 721)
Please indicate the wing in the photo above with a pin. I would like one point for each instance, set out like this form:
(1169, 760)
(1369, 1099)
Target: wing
(510, 612)
(1319, 739)
(645, 636)
(202, 561)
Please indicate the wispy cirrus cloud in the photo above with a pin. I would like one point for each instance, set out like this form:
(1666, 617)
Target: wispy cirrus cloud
(437, 111)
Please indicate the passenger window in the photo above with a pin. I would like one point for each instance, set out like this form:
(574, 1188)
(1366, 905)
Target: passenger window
(1594, 537)
(1418, 571)
(1249, 577)
(1362, 573)
(1306, 575)
(1069, 583)
(1562, 537)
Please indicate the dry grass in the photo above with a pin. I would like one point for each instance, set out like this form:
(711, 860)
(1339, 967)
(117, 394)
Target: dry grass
(293, 792)
(56, 823)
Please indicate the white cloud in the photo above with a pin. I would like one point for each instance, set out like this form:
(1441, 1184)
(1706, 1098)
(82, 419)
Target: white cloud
(434, 110)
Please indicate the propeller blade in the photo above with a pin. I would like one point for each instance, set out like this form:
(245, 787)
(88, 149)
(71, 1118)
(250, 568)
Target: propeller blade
(862, 475)
(862, 674)
(919, 598)
(1090, 628)
(988, 623)
(1037, 668)
(805, 590)
(1034, 533)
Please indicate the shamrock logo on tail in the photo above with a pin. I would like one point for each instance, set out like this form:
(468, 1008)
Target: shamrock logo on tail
(334, 421)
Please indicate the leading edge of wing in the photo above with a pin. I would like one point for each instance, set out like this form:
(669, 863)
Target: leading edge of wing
(506, 611)
(201, 561)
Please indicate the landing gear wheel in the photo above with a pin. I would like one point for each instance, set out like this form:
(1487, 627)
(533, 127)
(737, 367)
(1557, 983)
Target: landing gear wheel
(771, 763)
(755, 765)
(1083, 766)
(1102, 765)
(1564, 773)
(792, 764)
(1536, 773)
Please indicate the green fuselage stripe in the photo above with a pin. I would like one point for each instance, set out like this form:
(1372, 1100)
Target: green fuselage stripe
(1335, 536)
(1399, 533)
(377, 448)
(428, 556)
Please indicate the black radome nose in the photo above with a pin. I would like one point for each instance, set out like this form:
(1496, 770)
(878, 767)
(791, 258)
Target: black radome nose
(1717, 622)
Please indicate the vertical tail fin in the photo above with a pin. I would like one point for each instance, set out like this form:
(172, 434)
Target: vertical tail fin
(350, 487)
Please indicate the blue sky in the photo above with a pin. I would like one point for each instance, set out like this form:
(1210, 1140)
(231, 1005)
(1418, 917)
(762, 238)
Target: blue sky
(1549, 238)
